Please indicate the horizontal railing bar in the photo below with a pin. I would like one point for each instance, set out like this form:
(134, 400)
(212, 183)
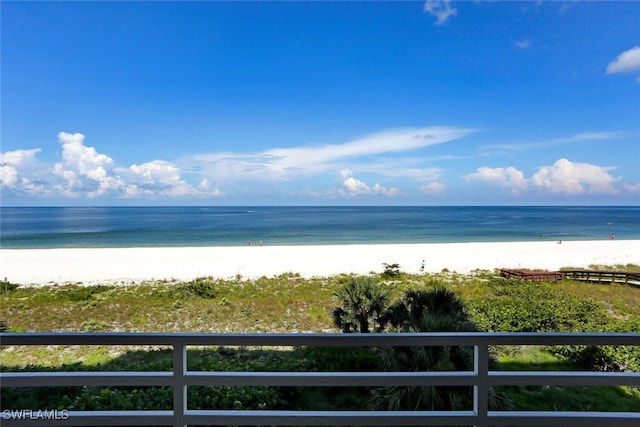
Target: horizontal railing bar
(234, 417)
(564, 418)
(53, 379)
(99, 418)
(311, 379)
(321, 339)
(316, 379)
(332, 418)
(335, 418)
(575, 378)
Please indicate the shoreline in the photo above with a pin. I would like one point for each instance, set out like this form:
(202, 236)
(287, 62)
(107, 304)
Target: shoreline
(130, 265)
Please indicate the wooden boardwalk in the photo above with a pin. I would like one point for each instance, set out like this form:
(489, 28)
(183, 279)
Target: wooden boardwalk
(592, 276)
(601, 276)
(537, 276)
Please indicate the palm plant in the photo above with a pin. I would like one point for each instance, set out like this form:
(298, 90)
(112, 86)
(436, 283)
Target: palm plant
(437, 310)
(364, 304)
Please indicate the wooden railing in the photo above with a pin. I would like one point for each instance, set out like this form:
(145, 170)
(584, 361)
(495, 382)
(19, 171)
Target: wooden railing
(537, 276)
(481, 378)
(601, 276)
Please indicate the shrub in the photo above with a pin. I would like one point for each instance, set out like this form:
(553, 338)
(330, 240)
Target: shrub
(161, 398)
(6, 286)
(93, 325)
(75, 293)
(198, 288)
(606, 358)
(391, 270)
(520, 306)
(335, 359)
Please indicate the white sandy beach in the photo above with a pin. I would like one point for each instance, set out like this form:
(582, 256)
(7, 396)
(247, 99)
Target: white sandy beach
(115, 265)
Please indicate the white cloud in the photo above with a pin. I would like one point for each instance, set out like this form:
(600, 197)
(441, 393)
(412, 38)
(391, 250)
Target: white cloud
(8, 176)
(591, 136)
(566, 177)
(34, 188)
(157, 172)
(205, 186)
(302, 161)
(162, 178)
(83, 170)
(432, 188)
(400, 170)
(510, 178)
(563, 177)
(523, 44)
(354, 187)
(580, 137)
(633, 188)
(441, 9)
(11, 161)
(322, 158)
(76, 155)
(18, 157)
(627, 62)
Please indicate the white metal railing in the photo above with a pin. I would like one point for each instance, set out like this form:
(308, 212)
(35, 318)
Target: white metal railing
(481, 378)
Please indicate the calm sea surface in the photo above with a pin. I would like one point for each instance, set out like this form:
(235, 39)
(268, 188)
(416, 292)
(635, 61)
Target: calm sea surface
(233, 226)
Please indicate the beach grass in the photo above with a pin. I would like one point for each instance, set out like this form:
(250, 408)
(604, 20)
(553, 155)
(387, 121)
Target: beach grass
(284, 303)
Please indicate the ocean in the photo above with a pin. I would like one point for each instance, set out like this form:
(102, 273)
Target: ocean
(101, 227)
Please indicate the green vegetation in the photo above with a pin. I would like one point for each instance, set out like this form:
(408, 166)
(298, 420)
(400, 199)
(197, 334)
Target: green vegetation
(6, 286)
(288, 303)
(200, 288)
(391, 270)
(363, 304)
(519, 306)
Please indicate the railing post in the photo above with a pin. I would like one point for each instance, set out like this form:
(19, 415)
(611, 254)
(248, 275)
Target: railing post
(481, 389)
(179, 386)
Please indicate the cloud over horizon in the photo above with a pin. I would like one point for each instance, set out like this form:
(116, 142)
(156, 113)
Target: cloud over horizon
(83, 171)
(354, 187)
(569, 178)
(390, 163)
(564, 177)
(11, 161)
(510, 178)
(294, 162)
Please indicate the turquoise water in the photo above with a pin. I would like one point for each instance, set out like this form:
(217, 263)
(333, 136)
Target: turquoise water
(58, 227)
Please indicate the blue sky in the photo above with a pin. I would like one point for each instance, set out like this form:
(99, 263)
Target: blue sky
(320, 103)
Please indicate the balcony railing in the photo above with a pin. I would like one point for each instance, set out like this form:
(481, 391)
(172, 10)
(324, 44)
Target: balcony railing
(481, 378)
